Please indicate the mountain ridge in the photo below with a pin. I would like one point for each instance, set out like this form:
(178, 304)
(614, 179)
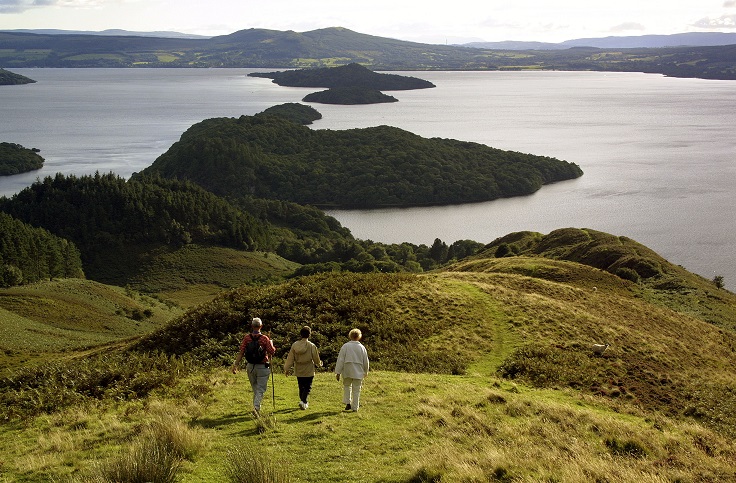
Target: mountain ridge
(686, 39)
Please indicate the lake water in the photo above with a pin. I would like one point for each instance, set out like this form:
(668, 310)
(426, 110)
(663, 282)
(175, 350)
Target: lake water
(659, 154)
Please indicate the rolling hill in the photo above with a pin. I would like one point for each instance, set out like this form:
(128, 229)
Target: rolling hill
(337, 46)
(474, 366)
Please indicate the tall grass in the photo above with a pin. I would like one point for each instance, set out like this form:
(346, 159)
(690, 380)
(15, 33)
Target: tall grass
(156, 455)
(248, 464)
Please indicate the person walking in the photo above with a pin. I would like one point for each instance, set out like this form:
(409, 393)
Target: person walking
(353, 365)
(303, 358)
(257, 349)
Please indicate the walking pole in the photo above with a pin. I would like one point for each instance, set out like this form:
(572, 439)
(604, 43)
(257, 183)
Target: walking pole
(273, 390)
(273, 384)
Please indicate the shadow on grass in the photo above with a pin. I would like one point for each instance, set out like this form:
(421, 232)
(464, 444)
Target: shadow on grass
(226, 420)
(306, 415)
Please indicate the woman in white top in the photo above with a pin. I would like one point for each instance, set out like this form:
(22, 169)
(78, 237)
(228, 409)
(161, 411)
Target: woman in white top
(352, 363)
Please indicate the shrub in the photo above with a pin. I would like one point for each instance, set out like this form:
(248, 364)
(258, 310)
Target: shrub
(503, 250)
(628, 274)
(718, 281)
(547, 366)
(626, 448)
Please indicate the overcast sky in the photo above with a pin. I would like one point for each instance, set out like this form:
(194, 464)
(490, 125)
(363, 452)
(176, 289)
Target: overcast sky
(453, 21)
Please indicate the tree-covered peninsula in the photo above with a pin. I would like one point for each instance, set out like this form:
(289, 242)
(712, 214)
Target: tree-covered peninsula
(271, 157)
(8, 78)
(351, 75)
(15, 159)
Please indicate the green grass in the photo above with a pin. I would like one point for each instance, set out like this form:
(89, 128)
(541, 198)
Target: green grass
(194, 274)
(458, 428)
(48, 318)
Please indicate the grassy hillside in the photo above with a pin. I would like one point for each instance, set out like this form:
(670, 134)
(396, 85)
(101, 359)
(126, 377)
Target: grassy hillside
(482, 371)
(50, 319)
(194, 274)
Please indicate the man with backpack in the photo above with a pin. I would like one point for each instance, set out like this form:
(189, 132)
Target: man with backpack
(257, 349)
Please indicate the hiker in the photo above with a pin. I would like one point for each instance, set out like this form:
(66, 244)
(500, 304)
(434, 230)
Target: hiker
(257, 349)
(352, 363)
(303, 357)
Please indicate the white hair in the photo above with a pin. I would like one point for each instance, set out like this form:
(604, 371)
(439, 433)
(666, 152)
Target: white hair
(256, 322)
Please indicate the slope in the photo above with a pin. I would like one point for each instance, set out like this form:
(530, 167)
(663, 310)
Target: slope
(48, 319)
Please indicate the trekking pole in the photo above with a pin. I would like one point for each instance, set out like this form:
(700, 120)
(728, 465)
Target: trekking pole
(273, 384)
(273, 390)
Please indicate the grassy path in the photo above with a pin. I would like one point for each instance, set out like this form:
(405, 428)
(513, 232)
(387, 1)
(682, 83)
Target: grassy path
(325, 443)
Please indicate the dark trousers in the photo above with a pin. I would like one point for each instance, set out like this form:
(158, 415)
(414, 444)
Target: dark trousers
(305, 387)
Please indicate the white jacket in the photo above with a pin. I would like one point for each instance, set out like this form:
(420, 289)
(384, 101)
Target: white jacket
(352, 361)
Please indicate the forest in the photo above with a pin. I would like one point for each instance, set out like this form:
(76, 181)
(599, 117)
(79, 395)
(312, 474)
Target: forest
(113, 226)
(270, 157)
(29, 254)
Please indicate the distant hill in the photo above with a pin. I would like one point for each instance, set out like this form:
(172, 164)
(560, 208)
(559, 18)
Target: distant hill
(339, 46)
(689, 39)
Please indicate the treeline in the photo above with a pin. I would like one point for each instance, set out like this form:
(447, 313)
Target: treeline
(29, 254)
(15, 159)
(107, 216)
(116, 224)
(271, 157)
(306, 235)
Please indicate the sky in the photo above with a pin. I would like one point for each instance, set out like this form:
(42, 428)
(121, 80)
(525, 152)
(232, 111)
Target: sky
(430, 21)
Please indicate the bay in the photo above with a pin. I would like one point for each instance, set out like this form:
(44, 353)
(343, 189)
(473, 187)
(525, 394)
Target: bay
(659, 154)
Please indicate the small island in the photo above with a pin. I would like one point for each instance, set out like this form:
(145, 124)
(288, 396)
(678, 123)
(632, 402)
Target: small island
(351, 75)
(348, 84)
(349, 96)
(295, 112)
(15, 159)
(8, 78)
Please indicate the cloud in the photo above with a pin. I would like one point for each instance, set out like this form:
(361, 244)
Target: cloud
(628, 27)
(722, 22)
(729, 3)
(17, 6)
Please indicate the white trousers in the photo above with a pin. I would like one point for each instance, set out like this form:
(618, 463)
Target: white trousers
(351, 392)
